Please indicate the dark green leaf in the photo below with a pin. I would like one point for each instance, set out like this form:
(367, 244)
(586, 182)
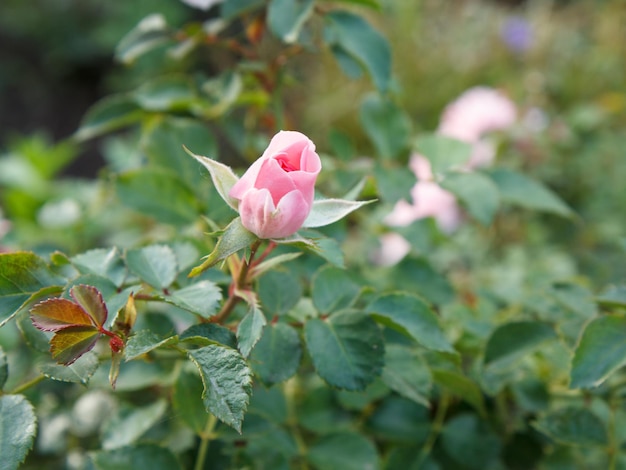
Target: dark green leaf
(476, 192)
(600, 352)
(227, 383)
(79, 372)
(411, 316)
(18, 425)
(575, 298)
(613, 296)
(24, 278)
(130, 423)
(386, 125)
(520, 190)
(513, 340)
(419, 277)
(209, 333)
(154, 264)
(4, 368)
(406, 373)
(573, 426)
(344, 451)
(276, 356)
(104, 262)
(159, 194)
(279, 292)
(394, 184)
(285, 18)
(347, 349)
(460, 386)
(109, 114)
(333, 289)
(141, 457)
(470, 442)
(250, 330)
(443, 153)
(151, 32)
(354, 36)
(144, 341)
(201, 298)
(187, 401)
(233, 8)
(171, 93)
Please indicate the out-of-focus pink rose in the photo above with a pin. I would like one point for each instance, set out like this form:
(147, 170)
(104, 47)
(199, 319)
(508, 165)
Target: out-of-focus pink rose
(476, 112)
(393, 247)
(276, 193)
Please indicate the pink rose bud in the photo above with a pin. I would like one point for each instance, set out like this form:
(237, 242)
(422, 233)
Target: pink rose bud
(276, 193)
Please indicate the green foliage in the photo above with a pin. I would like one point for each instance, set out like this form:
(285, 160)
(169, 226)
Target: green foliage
(18, 425)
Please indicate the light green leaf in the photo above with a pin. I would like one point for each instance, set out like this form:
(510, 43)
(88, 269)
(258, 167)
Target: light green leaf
(394, 184)
(151, 32)
(234, 238)
(285, 18)
(344, 451)
(325, 247)
(227, 383)
(600, 352)
(347, 349)
(276, 356)
(374, 4)
(250, 329)
(406, 373)
(157, 193)
(326, 211)
(201, 298)
(462, 387)
(130, 423)
(18, 425)
(443, 153)
(411, 316)
(333, 289)
(386, 124)
(573, 426)
(613, 296)
(145, 341)
(232, 8)
(476, 192)
(355, 37)
(170, 93)
(511, 341)
(140, 457)
(79, 372)
(104, 262)
(154, 264)
(187, 401)
(223, 177)
(520, 190)
(25, 277)
(222, 92)
(272, 263)
(107, 115)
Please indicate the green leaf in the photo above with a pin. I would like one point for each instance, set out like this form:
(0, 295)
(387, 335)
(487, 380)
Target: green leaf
(406, 373)
(4, 368)
(24, 278)
(476, 192)
(470, 442)
(511, 341)
(187, 401)
(443, 153)
(520, 190)
(157, 193)
(285, 18)
(250, 329)
(333, 289)
(234, 238)
(154, 264)
(72, 342)
(223, 177)
(325, 247)
(170, 93)
(201, 298)
(575, 298)
(279, 292)
(209, 333)
(276, 356)
(227, 383)
(462, 387)
(140, 457)
(394, 184)
(374, 4)
(573, 426)
(223, 92)
(344, 451)
(613, 296)
(150, 33)
(104, 262)
(327, 211)
(130, 423)
(355, 37)
(18, 425)
(347, 349)
(107, 115)
(272, 263)
(600, 352)
(411, 316)
(78, 372)
(145, 341)
(386, 124)
(233, 8)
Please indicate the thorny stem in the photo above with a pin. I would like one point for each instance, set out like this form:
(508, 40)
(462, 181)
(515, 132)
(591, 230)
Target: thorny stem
(239, 282)
(205, 438)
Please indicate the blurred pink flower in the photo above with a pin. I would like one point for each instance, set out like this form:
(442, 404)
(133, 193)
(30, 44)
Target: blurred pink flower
(393, 247)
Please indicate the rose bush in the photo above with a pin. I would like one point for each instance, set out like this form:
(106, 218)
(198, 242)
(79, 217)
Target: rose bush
(276, 193)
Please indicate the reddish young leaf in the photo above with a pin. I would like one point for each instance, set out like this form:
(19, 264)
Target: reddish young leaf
(72, 342)
(90, 299)
(57, 314)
